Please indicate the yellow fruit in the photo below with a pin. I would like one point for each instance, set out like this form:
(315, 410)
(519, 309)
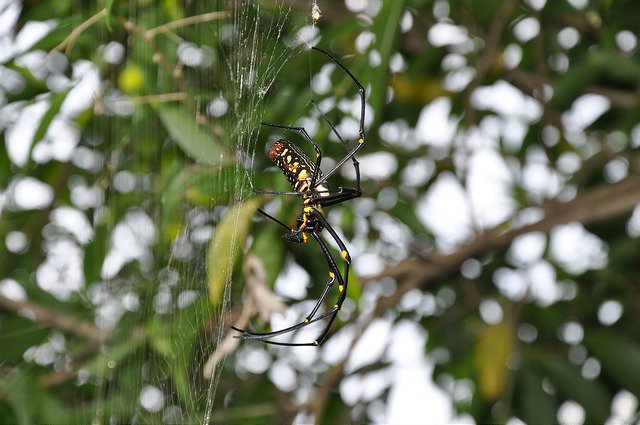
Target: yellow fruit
(131, 79)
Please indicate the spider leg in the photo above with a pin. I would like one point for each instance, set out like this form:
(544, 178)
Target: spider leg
(318, 195)
(333, 128)
(272, 218)
(361, 131)
(272, 192)
(338, 196)
(350, 192)
(334, 274)
(303, 131)
(293, 235)
(343, 252)
(265, 337)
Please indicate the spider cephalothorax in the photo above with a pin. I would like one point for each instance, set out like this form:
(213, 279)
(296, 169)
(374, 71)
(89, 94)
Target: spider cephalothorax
(309, 182)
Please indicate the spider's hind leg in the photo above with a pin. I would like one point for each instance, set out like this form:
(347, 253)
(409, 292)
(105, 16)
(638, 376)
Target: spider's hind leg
(334, 275)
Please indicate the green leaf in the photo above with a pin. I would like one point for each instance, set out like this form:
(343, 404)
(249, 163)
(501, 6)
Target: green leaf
(196, 185)
(598, 65)
(537, 406)
(15, 340)
(568, 87)
(54, 107)
(591, 395)
(193, 139)
(614, 65)
(385, 27)
(187, 330)
(108, 4)
(620, 357)
(116, 353)
(225, 248)
(270, 247)
(33, 88)
(30, 403)
(165, 341)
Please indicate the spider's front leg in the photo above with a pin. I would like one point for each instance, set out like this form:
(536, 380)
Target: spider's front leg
(296, 234)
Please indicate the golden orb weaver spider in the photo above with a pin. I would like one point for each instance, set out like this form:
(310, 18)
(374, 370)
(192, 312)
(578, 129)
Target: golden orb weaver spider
(310, 183)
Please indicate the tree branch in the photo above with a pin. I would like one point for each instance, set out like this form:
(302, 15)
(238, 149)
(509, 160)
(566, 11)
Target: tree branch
(599, 204)
(190, 20)
(67, 43)
(491, 51)
(56, 319)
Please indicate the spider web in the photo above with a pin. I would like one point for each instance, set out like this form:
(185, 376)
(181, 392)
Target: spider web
(254, 59)
(178, 354)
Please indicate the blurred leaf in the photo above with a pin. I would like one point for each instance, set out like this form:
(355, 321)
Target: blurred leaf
(598, 64)
(421, 89)
(622, 69)
(187, 330)
(158, 337)
(17, 334)
(620, 357)
(174, 343)
(568, 87)
(227, 244)
(108, 5)
(116, 354)
(385, 28)
(354, 290)
(173, 9)
(270, 247)
(194, 140)
(33, 88)
(537, 406)
(198, 186)
(591, 395)
(54, 107)
(493, 347)
(31, 404)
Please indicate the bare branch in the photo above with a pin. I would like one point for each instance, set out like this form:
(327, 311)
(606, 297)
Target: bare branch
(67, 43)
(190, 20)
(491, 52)
(599, 204)
(56, 319)
(160, 98)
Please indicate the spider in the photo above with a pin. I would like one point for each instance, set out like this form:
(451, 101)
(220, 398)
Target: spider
(310, 183)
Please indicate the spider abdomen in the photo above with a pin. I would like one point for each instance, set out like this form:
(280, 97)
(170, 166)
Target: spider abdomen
(296, 165)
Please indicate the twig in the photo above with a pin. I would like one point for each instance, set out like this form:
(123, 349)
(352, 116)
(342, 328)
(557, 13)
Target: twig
(259, 300)
(490, 53)
(190, 20)
(67, 43)
(317, 406)
(56, 319)
(160, 98)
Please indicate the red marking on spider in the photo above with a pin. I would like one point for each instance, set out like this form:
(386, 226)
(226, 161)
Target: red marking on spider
(276, 150)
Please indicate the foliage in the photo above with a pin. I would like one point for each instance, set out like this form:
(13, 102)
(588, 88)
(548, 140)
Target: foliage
(158, 168)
